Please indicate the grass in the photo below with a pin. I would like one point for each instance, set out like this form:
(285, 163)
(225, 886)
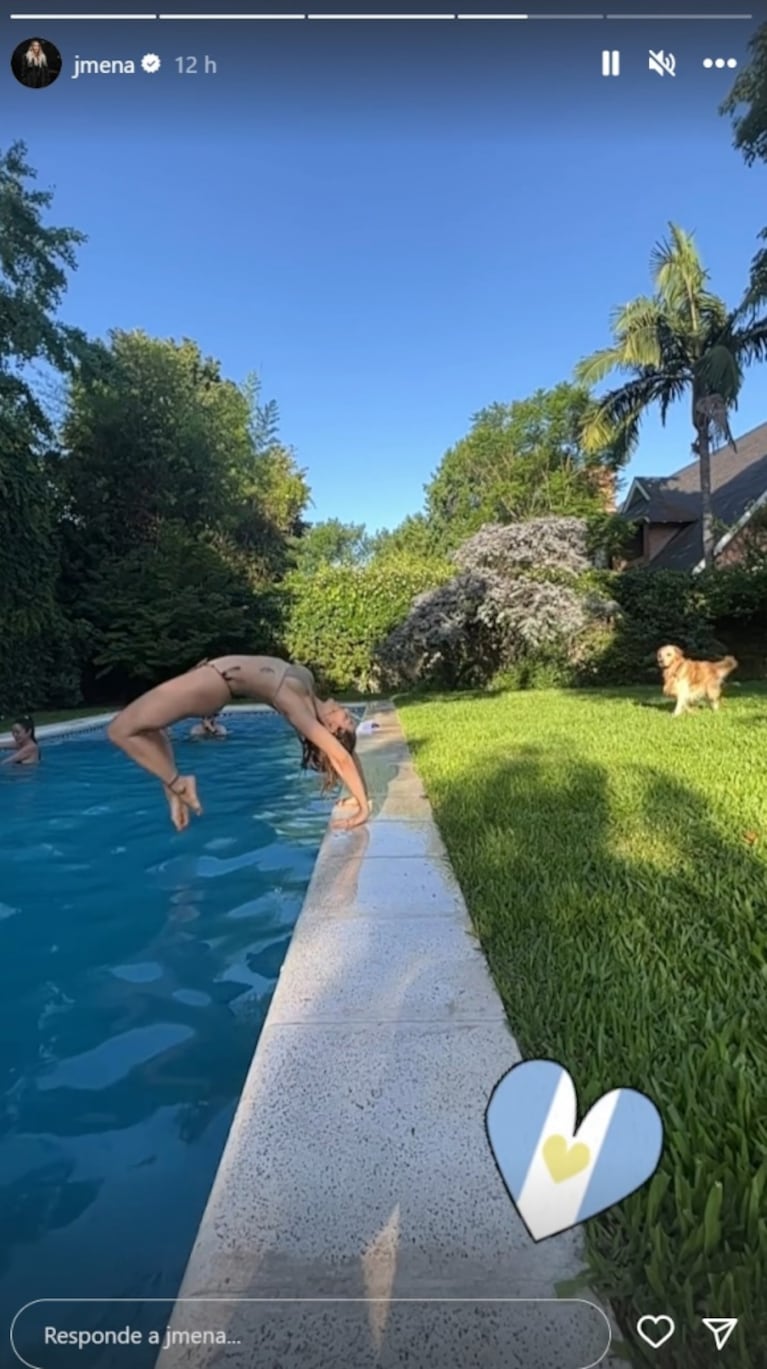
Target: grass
(615, 866)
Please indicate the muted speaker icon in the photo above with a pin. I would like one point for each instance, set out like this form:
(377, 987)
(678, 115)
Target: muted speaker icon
(664, 63)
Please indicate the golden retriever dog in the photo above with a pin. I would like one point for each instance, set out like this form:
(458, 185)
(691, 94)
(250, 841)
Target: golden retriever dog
(689, 681)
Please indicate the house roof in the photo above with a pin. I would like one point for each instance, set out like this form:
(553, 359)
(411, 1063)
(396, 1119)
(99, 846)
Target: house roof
(660, 500)
(738, 480)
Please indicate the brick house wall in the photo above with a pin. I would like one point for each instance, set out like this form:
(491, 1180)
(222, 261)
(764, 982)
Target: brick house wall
(747, 538)
(654, 538)
(657, 536)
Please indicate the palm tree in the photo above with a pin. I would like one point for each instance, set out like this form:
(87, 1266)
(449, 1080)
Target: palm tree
(679, 343)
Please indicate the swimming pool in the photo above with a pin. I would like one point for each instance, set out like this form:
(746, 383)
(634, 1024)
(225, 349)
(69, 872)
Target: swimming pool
(136, 969)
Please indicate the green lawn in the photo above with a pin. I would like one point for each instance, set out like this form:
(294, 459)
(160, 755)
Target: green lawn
(615, 865)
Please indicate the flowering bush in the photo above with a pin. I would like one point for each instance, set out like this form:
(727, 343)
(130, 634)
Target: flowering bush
(560, 544)
(531, 615)
(492, 616)
(443, 639)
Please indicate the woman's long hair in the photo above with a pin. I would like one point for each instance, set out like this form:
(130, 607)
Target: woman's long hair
(39, 59)
(28, 724)
(314, 759)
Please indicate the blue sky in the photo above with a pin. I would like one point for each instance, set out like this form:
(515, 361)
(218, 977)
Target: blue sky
(393, 234)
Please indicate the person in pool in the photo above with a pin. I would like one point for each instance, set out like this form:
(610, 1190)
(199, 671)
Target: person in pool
(327, 730)
(26, 750)
(207, 729)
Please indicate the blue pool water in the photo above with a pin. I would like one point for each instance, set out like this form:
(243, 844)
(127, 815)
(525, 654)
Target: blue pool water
(136, 968)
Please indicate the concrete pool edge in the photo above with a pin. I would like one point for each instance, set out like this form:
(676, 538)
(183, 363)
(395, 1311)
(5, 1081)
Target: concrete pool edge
(92, 722)
(353, 1167)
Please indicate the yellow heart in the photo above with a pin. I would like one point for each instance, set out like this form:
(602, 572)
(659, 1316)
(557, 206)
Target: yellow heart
(563, 1161)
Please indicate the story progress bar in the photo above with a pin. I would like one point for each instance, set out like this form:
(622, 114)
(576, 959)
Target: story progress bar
(398, 18)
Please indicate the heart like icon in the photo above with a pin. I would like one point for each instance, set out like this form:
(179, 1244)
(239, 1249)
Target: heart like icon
(649, 1329)
(558, 1176)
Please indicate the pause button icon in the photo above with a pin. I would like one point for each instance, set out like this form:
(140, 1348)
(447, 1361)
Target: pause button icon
(611, 62)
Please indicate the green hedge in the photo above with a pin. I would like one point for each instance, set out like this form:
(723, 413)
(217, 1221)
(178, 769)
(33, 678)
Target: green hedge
(336, 617)
(705, 614)
(152, 613)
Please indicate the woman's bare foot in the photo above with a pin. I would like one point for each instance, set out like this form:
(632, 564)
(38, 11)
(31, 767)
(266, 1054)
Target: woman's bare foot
(347, 803)
(182, 795)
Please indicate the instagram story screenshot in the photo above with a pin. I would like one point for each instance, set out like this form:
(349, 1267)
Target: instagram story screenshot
(383, 686)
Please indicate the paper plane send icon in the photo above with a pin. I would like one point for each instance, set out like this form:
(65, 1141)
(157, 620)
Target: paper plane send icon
(721, 1329)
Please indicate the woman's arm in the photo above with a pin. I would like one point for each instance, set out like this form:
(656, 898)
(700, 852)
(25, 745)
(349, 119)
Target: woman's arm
(23, 754)
(346, 767)
(361, 773)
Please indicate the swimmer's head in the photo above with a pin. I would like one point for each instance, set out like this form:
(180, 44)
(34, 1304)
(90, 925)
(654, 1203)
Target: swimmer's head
(23, 730)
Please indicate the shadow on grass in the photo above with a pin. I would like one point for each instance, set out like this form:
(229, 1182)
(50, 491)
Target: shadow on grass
(629, 946)
(649, 696)
(632, 697)
(434, 695)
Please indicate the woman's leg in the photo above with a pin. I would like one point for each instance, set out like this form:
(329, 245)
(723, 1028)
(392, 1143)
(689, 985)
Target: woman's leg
(139, 732)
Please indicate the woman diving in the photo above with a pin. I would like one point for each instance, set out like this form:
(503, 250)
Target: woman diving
(328, 731)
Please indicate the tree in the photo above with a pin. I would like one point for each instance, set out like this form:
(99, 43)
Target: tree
(159, 608)
(35, 258)
(747, 106)
(331, 543)
(156, 435)
(520, 460)
(750, 90)
(269, 511)
(167, 463)
(272, 495)
(680, 342)
(264, 418)
(415, 537)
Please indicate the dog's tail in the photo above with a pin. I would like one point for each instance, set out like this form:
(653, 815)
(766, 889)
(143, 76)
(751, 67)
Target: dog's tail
(726, 666)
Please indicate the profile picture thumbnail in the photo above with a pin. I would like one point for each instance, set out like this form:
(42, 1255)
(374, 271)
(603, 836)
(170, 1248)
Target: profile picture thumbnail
(36, 63)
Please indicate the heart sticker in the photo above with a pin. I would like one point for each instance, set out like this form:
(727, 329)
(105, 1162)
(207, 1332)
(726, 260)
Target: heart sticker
(559, 1174)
